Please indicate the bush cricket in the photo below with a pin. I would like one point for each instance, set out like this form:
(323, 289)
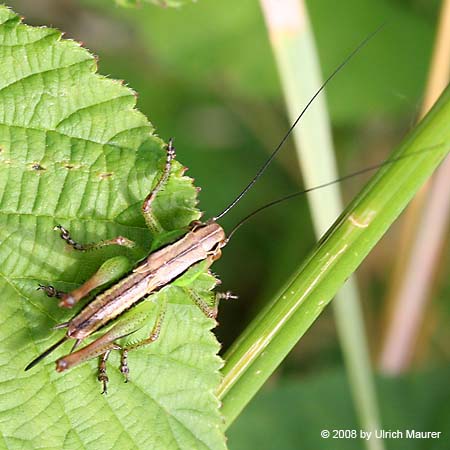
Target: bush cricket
(186, 257)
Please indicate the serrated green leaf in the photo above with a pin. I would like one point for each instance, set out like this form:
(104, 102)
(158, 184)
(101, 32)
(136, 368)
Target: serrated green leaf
(75, 152)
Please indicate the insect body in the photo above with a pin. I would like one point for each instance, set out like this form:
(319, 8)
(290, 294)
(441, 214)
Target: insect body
(200, 246)
(202, 243)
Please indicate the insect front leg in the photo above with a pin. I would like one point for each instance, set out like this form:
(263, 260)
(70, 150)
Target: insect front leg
(109, 271)
(118, 240)
(147, 208)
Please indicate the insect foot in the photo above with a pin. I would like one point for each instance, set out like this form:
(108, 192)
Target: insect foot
(65, 235)
(50, 291)
(124, 365)
(228, 295)
(67, 300)
(102, 376)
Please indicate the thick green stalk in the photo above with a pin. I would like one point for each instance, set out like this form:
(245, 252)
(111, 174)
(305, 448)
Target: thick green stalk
(296, 55)
(274, 332)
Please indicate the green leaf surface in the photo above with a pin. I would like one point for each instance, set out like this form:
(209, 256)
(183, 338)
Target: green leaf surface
(74, 151)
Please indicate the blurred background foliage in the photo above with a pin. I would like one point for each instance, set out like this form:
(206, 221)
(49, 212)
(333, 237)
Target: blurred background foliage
(205, 75)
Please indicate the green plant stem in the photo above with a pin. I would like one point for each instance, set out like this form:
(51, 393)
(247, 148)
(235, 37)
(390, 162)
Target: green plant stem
(273, 333)
(298, 65)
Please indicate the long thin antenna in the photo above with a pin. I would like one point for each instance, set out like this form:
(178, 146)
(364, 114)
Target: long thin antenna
(320, 186)
(283, 140)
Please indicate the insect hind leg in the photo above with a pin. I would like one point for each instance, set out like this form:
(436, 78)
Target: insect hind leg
(109, 271)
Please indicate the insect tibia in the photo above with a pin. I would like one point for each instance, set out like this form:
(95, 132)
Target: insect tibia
(46, 353)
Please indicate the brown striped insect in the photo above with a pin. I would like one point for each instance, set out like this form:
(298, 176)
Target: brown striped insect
(119, 310)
